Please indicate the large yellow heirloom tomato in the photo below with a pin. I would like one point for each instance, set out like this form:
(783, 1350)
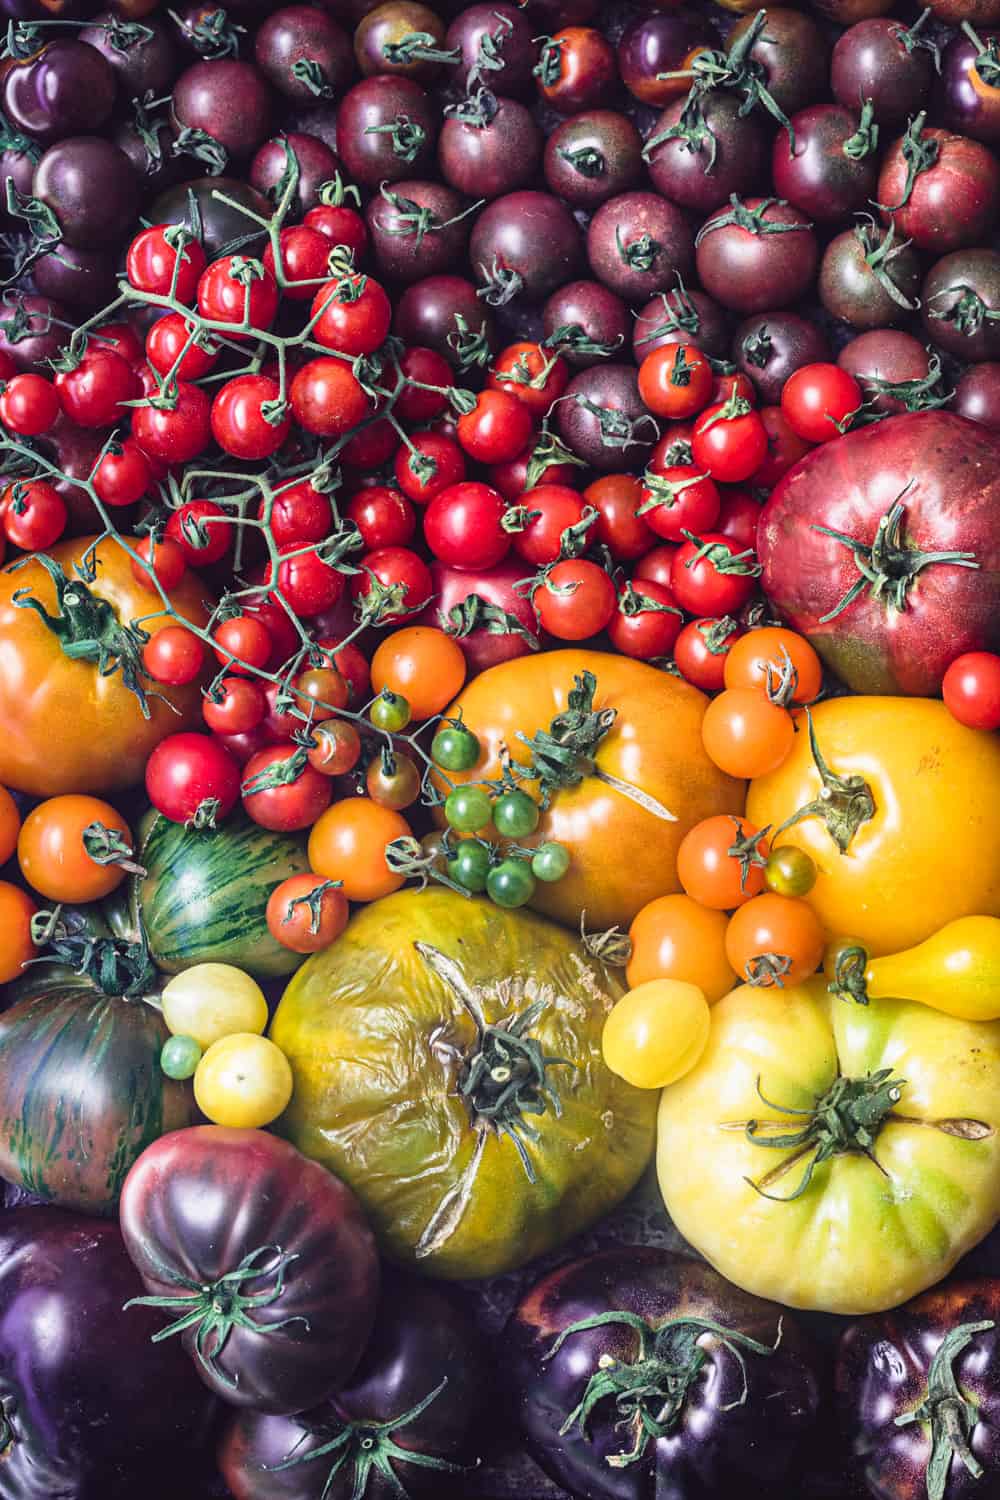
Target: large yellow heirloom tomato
(901, 814)
(632, 771)
(447, 1064)
(834, 1156)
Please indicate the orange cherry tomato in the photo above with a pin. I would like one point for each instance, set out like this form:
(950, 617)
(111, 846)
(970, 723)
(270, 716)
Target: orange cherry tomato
(721, 862)
(10, 824)
(306, 913)
(53, 856)
(771, 657)
(774, 940)
(745, 734)
(422, 665)
(674, 937)
(347, 843)
(676, 381)
(16, 947)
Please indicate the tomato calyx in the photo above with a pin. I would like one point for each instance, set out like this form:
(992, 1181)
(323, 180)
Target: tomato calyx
(632, 601)
(850, 982)
(307, 71)
(477, 613)
(919, 156)
(408, 857)
(987, 61)
(950, 1416)
(639, 254)
(746, 849)
(865, 139)
(717, 633)
(967, 313)
(913, 38)
(470, 347)
(846, 1119)
(278, 773)
(418, 46)
(889, 565)
(213, 36)
(548, 451)
(617, 429)
(722, 558)
(665, 492)
(117, 967)
(650, 1393)
(548, 69)
(500, 285)
(612, 946)
(203, 148)
(844, 802)
(680, 316)
(572, 338)
(314, 901)
(215, 1308)
(920, 394)
(586, 160)
(766, 971)
(416, 218)
(750, 219)
(108, 846)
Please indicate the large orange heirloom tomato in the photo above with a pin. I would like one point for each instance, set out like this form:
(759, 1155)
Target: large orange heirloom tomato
(77, 713)
(899, 806)
(617, 752)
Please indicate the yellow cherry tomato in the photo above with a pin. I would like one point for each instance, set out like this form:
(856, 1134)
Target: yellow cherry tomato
(957, 970)
(656, 1033)
(243, 1081)
(211, 1001)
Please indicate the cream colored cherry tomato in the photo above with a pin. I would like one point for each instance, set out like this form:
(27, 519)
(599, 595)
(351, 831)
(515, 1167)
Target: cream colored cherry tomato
(210, 1001)
(243, 1081)
(656, 1033)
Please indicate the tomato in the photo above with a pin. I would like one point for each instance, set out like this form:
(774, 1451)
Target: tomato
(530, 374)
(623, 803)
(123, 339)
(656, 565)
(306, 913)
(282, 791)
(701, 649)
(163, 560)
(971, 689)
(712, 576)
(464, 526)
(34, 514)
(745, 733)
(177, 431)
(739, 514)
(324, 691)
(210, 1001)
(730, 441)
(65, 857)
(647, 621)
(721, 862)
(496, 429)
(190, 777)
(395, 580)
(244, 639)
(91, 394)
(617, 498)
(299, 514)
(339, 225)
(552, 511)
(309, 584)
(353, 315)
(956, 970)
(348, 843)
(428, 464)
(326, 398)
(895, 1145)
(784, 448)
(676, 381)
(774, 940)
(384, 517)
(673, 937)
(778, 661)
(10, 825)
(656, 1033)
(790, 871)
(124, 474)
(735, 384)
(240, 292)
(305, 259)
(243, 1081)
(104, 739)
(174, 655)
(242, 423)
(817, 398)
(575, 600)
(235, 706)
(203, 531)
(165, 257)
(336, 747)
(405, 968)
(679, 498)
(422, 664)
(352, 665)
(29, 405)
(393, 780)
(16, 947)
(172, 351)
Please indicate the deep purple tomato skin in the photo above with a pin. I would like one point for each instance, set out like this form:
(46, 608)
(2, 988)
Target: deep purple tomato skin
(94, 1408)
(953, 204)
(151, 63)
(602, 419)
(593, 156)
(871, 62)
(817, 174)
(603, 317)
(365, 141)
(960, 304)
(219, 221)
(977, 395)
(752, 270)
(682, 168)
(296, 33)
(794, 54)
(964, 101)
(403, 255)
(228, 99)
(493, 158)
(882, 1371)
(638, 244)
(423, 1342)
(945, 471)
(884, 354)
(199, 1201)
(91, 187)
(850, 287)
(316, 162)
(659, 43)
(530, 236)
(513, 34)
(65, 88)
(681, 316)
(433, 311)
(721, 1443)
(80, 278)
(770, 346)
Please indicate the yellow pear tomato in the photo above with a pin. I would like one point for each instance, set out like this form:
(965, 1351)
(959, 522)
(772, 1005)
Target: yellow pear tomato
(656, 1033)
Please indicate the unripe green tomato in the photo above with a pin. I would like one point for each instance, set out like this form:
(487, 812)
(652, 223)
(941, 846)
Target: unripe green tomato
(550, 862)
(390, 712)
(515, 815)
(180, 1056)
(468, 808)
(790, 871)
(510, 883)
(470, 865)
(455, 748)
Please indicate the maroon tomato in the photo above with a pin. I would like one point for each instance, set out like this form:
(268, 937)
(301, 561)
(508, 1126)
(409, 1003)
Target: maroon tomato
(971, 689)
(464, 526)
(647, 621)
(817, 398)
(414, 404)
(483, 612)
(713, 576)
(575, 600)
(739, 514)
(940, 191)
(282, 791)
(730, 441)
(192, 778)
(248, 420)
(701, 649)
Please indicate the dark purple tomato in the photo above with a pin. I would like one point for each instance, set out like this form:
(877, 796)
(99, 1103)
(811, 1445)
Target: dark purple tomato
(576, 70)
(638, 244)
(488, 145)
(961, 304)
(417, 229)
(445, 314)
(952, 202)
(593, 156)
(593, 322)
(217, 222)
(420, 1389)
(32, 330)
(714, 1392)
(524, 245)
(756, 254)
(63, 89)
(91, 187)
(681, 317)
(663, 42)
(92, 1408)
(80, 278)
(384, 41)
(205, 29)
(885, 356)
(771, 346)
(19, 156)
(967, 96)
(317, 164)
(550, 15)
(496, 48)
(76, 450)
(148, 62)
(880, 60)
(602, 419)
(229, 100)
(794, 54)
(212, 1217)
(978, 12)
(386, 128)
(304, 54)
(150, 150)
(977, 395)
(868, 277)
(320, 121)
(831, 170)
(698, 163)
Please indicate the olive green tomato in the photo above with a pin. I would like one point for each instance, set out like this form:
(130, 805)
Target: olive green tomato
(210, 1001)
(550, 862)
(515, 815)
(790, 871)
(468, 808)
(455, 748)
(390, 711)
(470, 865)
(180, 1056)
(510, 883)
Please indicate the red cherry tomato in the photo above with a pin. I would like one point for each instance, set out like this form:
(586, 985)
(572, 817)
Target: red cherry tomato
(244, 639)
(171, 349)
(701, 649)
(34, 514)
(384, 517)
(395, 580)
(282, 791)
(202, 530)
(676, 381)
(173, 655)
(178, 431)
(353, 315)
(165, 558)
(427, 465)
(679, 499)
(784, 448)
(242, 417)
(576, 600)
(553, 509)
(234, 706)
(124, 474)
(192, 778)
(463, 526)
(326, 398)
(162, 257)
(238, 291)
(647, 621)
(496, 429)
(29, 405)
(713, 576)
(729, 441)
(971, 689)
(305, 260)
(92, 393)
(816, 398)
(532, 375)
(619, 527)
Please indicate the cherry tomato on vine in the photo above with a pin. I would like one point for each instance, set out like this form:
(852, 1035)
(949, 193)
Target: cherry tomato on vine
(353, 315)
(396, 577)
(123, 339)
(390, 712)
(429, 464)
(178, 431)
(774, 940)
(92, 393)
(745, 734)
(384, 516)
(306, 913)
(324, 690)
(339, 225)
(470, 864)
(16, 947)
(790, 871)
(464, 526)
(174, 656)
(164, 557)
(202, 530)
(730, 441)
(414, 405)
(701, 649)
(239, 291)
(816, 398)
(679, 498)
(721, 862)
(157, 253)
(619, 527)
(676, 381)
(34, 514)
(124, 474)
(282, 791)
(244, 638)
(576, 600)
(510, 883)
(326, 398)
(234, 706)
(552, 510)
(712, 576)
(674, 937)
(468, 809)
(971, 689)
(424, 665)
(351, 663)
(496, 429)
(455, 748)
(335, 748)
(52, 848)
(532, 375)
(309, 584)
(305, 260)
(300, 514)
(171, 350)
(392, 780)
(784, 448)
(348, 843)
(767, 658)
(576, 70)
(647, 621)
(515, 814)
(29, 405)
(192, 778)
(247, 419)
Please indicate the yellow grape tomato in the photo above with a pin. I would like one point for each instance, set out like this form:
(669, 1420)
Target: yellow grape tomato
(656, 1032)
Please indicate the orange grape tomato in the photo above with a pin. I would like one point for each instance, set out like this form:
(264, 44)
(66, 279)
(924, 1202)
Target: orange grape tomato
(347, 843)
(745, 734)
(674, 937)
(52, 854)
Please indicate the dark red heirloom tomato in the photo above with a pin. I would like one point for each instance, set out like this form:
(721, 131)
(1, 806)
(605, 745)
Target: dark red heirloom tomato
(290, 1321)
(483, 612)
(950, 200)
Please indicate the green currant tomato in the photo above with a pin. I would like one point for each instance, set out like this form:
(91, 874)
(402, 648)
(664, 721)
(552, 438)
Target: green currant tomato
(550, 862)
(515, 815)
(468, 808)
(455, 748)
(510, 883)
(390, 712)
(180, 1056)
(790, 871)
(470, 865)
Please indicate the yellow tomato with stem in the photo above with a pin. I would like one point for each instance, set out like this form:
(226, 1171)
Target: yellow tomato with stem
(243, 1081)
(656, 1033)
(956, 970)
